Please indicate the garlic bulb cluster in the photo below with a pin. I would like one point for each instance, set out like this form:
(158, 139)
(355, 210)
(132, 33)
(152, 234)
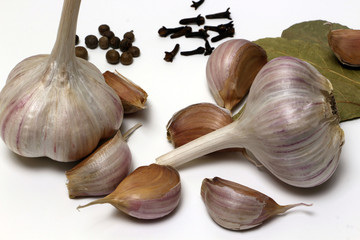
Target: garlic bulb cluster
(102, 171)
(289, 124)
(149, 192)
(58, 105)
(232, 68)
(237, 207)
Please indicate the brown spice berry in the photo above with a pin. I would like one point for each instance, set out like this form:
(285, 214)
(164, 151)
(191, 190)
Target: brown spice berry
(125, 44)
(103, 28)
(81, 52)
(104, 42)
(130, 35)
(109, 34)
(91, 41)
(114, 42)
(134, 51)
(126, 58)
(113, 56)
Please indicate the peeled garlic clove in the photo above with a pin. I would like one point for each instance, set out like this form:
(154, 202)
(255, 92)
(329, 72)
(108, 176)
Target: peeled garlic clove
(195, 121)
(232, 68)
(289, 124)
(132, 96)
(149, 192)
(237, 207)
(58, 105)
(345, 44)
(101, 172)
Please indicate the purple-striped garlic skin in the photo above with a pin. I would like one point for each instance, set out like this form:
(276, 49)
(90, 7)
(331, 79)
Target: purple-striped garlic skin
(58, 105)
(101, 172)
(232, 68)
(149, 192)
(237, 207)
(289, 124)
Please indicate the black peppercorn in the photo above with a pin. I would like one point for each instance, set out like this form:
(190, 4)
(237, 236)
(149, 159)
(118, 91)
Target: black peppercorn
(81, 52)
(104, 42)
(113, 56)
(91, 41)
(130, 35)
(125, 44)
(114, 42)
(134, 51)
(109, 34)
(76, 40)
(126, 58)
(103, 28)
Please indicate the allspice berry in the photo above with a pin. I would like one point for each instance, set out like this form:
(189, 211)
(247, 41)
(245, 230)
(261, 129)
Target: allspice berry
(135, 51)
(125, 44)
(91, 41)
(104, 42)
(109, 34)
(130, 35)
(103, 28)
(112, 56)
(126, 58)
(81, 52)
(114, 42)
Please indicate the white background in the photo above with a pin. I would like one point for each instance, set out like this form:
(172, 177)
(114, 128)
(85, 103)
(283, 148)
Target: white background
(33, 197)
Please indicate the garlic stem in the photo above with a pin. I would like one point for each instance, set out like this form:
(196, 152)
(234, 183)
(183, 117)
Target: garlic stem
(284, 208)
(130, 131)
(63, 51)
(225, 137)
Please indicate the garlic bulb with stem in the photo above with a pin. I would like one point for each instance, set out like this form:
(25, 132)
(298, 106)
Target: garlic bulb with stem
(231, 69)
(237, 207)
(58, 105)
(290, 125)
(149, 192)
(102, 171)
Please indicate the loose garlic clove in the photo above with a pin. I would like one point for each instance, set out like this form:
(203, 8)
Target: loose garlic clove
(132, 96)
(232, 68)
(237, 207)
(101, 172)
(345, 44)
(149, 192)
(58, 105)
(195, 121)
(289, 124)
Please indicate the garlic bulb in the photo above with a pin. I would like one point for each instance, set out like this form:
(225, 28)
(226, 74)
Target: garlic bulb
(232, 68)
(195, 121)
(290, 125)
(345, 44)
(237, 207)
(58, 105)
(102, 171)
(149, 192)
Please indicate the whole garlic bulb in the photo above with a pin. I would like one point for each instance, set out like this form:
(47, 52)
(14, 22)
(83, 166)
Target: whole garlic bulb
(58, 105)
(289, 124)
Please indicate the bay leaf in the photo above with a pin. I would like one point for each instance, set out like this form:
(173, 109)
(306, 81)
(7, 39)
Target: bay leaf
(309, 45)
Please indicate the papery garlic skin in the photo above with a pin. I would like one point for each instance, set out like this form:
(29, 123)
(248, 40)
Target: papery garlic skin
(237, 207)
(289, 124)
(149, 192)
(102, 171)
(58, 105)
(231, 69)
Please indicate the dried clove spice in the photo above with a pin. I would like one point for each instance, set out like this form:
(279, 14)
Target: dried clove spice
(225, 14)
(220, 28)
(184, 30)
(208, 48)
(197, 4)
(199, 34)
(164, 32)
(228, 33)
(169, 56)
(199, 50)
(199, 20)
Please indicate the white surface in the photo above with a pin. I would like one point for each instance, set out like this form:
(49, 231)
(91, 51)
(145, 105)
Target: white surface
(33, 197)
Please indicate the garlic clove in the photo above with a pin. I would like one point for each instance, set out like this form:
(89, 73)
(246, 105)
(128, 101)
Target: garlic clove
(289, 124)
(195, 121)
(132, 96)
(345, 43)
(232, 68)
(237, 207)
(58, 105)
(102, 171)
(149, 192)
